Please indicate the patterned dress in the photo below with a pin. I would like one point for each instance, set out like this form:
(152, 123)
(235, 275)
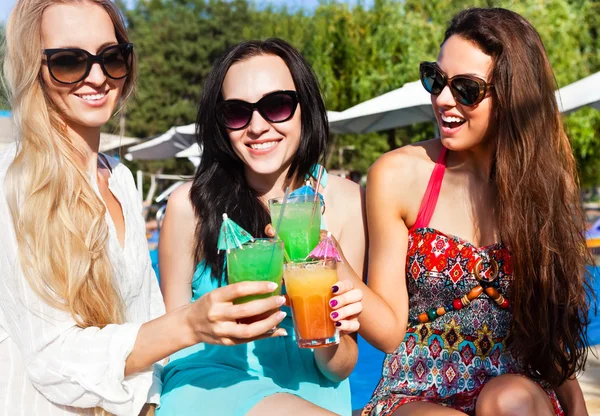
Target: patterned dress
(449, 360)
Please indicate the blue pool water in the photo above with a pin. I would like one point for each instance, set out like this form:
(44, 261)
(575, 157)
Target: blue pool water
(594, 328)
(154, 258)
(365, 376)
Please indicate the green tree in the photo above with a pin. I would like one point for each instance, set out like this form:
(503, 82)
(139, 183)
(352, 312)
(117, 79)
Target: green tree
(357, 53)
(3, 97)
(177, 42)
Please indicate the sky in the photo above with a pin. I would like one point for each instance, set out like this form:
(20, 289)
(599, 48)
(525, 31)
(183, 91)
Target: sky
(7, 5)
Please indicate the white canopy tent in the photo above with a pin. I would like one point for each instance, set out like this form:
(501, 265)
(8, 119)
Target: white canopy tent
(579, 94)
(114, 141)
(192, 151)
(333, 116)
(401, 107)
(164, 146)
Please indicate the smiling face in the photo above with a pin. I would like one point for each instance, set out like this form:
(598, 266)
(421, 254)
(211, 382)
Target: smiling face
(265, 148)
(462, 127)
(91, 102)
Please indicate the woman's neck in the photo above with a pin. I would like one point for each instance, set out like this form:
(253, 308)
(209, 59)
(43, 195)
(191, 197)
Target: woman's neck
(268, 186)
(87, 140)
(477, 160)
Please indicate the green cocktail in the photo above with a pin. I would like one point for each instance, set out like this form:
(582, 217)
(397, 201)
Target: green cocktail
(261, 259)
(301, 224)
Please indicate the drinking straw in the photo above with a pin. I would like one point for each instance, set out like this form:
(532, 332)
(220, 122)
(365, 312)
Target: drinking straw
(316, 199)
(279, 221)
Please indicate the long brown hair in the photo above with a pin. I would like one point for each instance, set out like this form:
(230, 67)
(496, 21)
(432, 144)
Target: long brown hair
(538, 206)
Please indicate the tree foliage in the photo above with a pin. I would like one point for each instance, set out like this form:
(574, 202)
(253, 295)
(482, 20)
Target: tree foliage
(3, 99)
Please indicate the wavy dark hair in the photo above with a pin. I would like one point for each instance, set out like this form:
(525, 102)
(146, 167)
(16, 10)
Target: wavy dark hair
(538, 206)
(220, 184)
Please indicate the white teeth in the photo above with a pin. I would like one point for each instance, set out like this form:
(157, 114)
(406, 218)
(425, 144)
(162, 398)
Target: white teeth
(260, 146)
(92, 97)
(449, 119)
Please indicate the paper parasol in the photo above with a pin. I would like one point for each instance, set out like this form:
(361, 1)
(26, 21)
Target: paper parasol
(232, 235)
(308, 191)
(325, 250)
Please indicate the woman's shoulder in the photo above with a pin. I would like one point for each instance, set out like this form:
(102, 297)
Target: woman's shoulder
(410, 156)
(342, 185)
(405, 165)
(344, 198)
(344, 191)
(180, 205)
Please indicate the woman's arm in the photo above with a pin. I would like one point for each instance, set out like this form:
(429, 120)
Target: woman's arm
(385, 300)
(111, 367)
(337, 362)
(571, 398)
(176, 249)
(385, 316)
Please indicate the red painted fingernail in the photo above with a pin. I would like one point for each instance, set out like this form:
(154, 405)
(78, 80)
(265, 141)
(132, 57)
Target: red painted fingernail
(333, 303)
(335, 288)
(338, 324)
(334, 315)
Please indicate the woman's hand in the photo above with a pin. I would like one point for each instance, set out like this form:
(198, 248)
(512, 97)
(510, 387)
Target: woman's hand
(347, 301)
(346, 306)
(214, 318)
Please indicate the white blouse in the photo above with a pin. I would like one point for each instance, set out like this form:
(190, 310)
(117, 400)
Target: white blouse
(48, 365)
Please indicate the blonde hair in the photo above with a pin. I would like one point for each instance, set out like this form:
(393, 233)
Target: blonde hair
(59, 219)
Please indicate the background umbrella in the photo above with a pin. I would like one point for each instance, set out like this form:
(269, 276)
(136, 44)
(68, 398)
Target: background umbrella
(232, 235)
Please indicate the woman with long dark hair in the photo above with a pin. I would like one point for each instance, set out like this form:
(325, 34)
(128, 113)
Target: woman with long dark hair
(262, 127)
(486, 265)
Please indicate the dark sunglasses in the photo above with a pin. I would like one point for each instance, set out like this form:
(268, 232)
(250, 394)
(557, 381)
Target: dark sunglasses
(467, 90)
(72, 65)
(276, 107)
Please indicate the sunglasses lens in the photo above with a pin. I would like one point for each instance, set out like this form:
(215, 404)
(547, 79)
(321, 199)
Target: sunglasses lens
(432, 80)
(235, 114)
(117, 61)
(277, 107)
(466, 90)
(68, 66)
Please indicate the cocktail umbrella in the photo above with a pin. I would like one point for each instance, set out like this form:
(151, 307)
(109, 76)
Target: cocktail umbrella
(307, 191)
(232, 235)
(325, 250)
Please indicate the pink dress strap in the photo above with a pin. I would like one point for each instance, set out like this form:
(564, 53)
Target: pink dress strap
(432, 192)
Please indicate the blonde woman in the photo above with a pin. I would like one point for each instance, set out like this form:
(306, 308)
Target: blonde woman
(79, 303)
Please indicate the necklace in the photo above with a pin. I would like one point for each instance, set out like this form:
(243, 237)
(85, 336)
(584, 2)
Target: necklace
(485, 286)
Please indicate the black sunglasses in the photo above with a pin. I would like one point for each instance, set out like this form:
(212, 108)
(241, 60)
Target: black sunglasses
(72, 65)
(276, 107)
(467, 90)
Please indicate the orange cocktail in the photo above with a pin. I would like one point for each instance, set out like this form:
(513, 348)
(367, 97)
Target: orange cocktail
(308, 286)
